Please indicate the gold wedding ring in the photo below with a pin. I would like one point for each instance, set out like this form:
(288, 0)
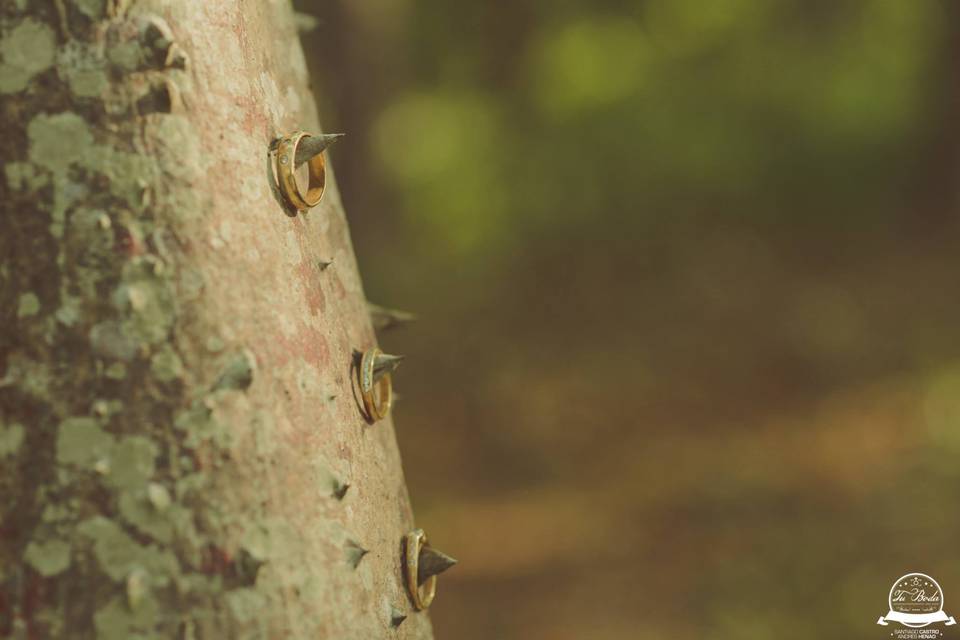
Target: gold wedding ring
(287, 173)
(376, 404)
(421, 596)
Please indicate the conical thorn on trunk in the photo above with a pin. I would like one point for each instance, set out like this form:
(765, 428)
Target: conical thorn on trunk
(384, 364)
(384, 318)
(354, 553)
(305, 22)
(340, 489)
(314, 145)
(431, 563)
(396, 617)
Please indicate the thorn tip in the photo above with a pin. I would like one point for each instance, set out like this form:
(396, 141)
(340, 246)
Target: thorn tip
(396, 617)
(384, 318)
(311, 146)
(305, 22)
(384, 364)
(340, 489)
(431, 563)
(355, 553)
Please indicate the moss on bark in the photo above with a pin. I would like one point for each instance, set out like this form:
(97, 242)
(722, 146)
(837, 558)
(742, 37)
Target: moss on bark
(172, 463)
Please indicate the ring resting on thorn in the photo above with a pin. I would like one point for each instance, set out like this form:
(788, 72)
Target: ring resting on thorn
(287, 173)
(376, 404)
(413, 544)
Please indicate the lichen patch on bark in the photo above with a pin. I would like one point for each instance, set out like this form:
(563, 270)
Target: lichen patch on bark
(26, 50)
(177, 425)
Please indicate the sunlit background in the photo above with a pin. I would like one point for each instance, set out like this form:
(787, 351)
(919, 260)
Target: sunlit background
(688, 356)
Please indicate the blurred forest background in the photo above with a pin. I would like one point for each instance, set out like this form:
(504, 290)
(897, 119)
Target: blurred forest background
(688, 356)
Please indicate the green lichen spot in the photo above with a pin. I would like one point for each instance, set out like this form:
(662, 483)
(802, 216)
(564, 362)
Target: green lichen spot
(166, 365)
(63, 139)
(128, 173)
(200, 424)
(191, 484)
(87, 83)
(118, 554)
(245, 605)
(264, 432)
(109, 340)
(28, 306)
(81, 441)
(138, 511)
(116, 371)
(136, 588)
(55, 513)
(33, 378)
(59, 140)
(119, 621)
(146, 299)
(27, 50)
(69, 312)
(238, 373)
(132, 462)
(92, 226)
(191, 280)
(178, 147)
(107, 408)
(48, 558)
(91, 8)
(10, 439)
(159, 496)
(83, 67)
(126, 55)
(22, 176)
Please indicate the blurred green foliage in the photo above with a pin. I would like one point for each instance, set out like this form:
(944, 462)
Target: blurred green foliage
(687, 363)
(773, 110)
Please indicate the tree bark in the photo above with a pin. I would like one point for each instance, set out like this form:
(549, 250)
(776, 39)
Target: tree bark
(182, 451)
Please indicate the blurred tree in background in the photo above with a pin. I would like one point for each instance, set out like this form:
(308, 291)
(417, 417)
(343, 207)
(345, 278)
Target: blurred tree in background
(688, 364)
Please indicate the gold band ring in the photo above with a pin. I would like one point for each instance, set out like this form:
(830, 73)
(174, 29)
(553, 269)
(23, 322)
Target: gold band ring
(287, 173)
(377, 408)
(414, 542)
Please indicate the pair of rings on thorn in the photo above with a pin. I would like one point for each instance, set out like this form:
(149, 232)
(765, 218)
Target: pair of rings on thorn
(422, 595)
(377, 394)
(287, 173)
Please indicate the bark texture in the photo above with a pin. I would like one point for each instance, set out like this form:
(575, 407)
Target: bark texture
(182, 451)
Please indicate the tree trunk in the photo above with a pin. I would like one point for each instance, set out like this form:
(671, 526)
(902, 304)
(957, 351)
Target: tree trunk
(179, 416)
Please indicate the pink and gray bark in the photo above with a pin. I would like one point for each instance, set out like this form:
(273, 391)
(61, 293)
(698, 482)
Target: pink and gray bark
(182, 453)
